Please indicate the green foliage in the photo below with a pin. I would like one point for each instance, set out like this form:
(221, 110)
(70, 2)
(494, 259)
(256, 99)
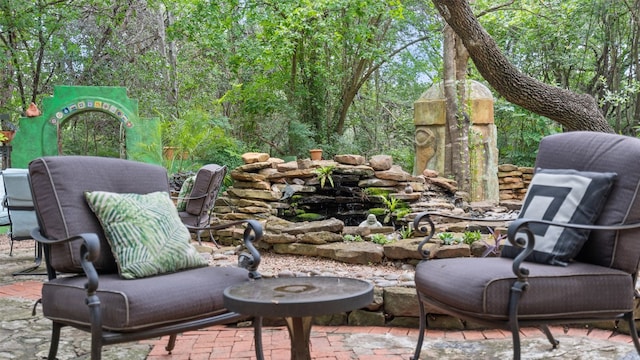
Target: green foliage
(352, 238)
(324, 173)
(406, 232)
(448, 238)
(520, 133)
(204, 137)
(469, 237)
(92, 133)
(309, 217)
(378, 211)
(380, 239)
(287, 76)
(394, 208)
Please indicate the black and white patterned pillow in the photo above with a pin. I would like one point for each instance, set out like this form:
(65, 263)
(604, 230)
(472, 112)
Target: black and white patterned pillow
(561, 195)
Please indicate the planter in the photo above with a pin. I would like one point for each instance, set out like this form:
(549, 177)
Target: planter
(316, 154)
(174, 153)
(169, 152)
(9, 134)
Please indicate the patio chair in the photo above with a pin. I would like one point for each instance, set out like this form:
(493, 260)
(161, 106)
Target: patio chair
(4, 213)
(21, 213)
(131, 273)
(572, 255)
(197, 198)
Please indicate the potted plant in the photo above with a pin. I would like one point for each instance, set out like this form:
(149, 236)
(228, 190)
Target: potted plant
(8, 130)
(185, 134)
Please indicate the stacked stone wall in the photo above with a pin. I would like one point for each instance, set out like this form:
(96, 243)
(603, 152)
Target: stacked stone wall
(513, 181)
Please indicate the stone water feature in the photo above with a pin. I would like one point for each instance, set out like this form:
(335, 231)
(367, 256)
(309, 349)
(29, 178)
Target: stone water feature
(304, 217)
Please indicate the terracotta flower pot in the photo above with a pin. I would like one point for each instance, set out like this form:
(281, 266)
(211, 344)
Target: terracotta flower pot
(9, 134)
(316, 154)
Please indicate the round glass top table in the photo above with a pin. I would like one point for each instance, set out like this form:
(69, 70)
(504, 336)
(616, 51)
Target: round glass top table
(296, 300)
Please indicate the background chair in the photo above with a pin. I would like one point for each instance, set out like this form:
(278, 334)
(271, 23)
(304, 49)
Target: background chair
(598, 284)
(4, 213)
(201, 199)
(113, 309)
(21, 213)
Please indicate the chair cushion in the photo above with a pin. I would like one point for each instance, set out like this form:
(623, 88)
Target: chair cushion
(185, 191)
(208, 180)
(601, 152)
(58, 184)
(480, 287)
(562, 195)
(128, 305)
(146, 235)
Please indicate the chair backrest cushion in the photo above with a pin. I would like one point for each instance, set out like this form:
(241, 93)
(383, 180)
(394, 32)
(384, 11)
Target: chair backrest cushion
(58, 185)
(602, 152)
(205, 189)
(185, 192)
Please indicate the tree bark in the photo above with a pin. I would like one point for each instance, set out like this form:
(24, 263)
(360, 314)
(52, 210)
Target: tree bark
(571, 110)
(452, 149)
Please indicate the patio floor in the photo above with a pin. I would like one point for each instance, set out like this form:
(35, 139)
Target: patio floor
(24, 336)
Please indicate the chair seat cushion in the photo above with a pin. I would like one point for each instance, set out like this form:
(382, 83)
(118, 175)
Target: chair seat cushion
(480, 287)
(129, 305)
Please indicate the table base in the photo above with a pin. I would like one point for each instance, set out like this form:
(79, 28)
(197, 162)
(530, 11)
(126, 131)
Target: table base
(299, 331)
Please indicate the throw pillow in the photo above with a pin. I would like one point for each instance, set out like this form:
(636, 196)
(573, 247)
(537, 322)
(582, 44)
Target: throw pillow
(185, 192)
(567, 196)
(145, 233)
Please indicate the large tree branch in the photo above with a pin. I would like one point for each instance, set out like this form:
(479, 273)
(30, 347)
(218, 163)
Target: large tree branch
(573, 111)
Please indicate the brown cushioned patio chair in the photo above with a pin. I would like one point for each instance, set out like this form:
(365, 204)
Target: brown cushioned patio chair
(199, 202)
(571, 273)
(93, 294)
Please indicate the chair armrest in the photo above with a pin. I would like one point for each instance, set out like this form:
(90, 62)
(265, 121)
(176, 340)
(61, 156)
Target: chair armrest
(252, 233)
(188, 197)
(515, 236)
(89, 252)
(518, 270)
(527, 243)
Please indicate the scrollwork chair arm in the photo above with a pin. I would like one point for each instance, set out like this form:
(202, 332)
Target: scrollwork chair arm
(252, 233)
(520, 235)
(89, 252)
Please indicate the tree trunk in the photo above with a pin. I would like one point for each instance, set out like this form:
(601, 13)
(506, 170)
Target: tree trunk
(571, 110)
(451, 101)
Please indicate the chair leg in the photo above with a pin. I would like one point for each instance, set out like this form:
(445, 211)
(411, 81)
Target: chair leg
(633, 331)
(36, 265)
(549, 335)
(516, 292)
(423, 328)
(213, 239)
(55, 340)
(171, 344)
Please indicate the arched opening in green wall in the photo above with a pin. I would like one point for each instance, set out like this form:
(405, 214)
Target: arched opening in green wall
(92, 133)
(42, 135)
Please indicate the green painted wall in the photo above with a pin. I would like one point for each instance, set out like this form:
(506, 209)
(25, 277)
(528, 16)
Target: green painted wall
(38, 136)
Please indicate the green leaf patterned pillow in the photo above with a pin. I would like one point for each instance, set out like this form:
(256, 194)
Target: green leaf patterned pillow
(145, 233)
(185, 191)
